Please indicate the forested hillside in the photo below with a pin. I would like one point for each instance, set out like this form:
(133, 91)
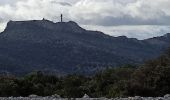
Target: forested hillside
(149, 79)
(65, 48)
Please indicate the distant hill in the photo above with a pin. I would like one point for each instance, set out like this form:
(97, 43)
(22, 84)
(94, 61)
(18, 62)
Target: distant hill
(65, 47)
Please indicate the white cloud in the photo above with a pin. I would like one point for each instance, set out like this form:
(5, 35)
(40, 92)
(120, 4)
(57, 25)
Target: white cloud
(140, 32)
(2, 26)
(134, 18)
(121, 12)
(33, 9)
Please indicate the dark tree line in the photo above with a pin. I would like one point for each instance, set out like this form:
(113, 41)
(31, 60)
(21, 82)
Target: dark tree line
(149, 79)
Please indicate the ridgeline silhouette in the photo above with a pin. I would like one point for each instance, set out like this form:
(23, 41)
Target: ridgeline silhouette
(65, 47)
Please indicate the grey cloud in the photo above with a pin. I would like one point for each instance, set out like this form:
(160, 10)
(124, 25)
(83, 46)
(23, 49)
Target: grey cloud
(105, 13)
(119, 12)
(62, 3)
(96, 12)
(9, 2)
(126, 20)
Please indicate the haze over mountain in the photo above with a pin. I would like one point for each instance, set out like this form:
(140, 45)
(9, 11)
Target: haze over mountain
(65, 47)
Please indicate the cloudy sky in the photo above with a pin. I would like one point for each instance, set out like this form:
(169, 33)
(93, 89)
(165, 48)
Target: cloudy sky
(133, 18)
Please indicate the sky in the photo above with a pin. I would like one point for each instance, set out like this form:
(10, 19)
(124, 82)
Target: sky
(132, 18)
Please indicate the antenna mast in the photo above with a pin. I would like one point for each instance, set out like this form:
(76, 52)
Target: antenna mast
(61, 17)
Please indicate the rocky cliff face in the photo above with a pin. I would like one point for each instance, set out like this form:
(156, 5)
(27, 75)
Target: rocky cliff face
(65, 47)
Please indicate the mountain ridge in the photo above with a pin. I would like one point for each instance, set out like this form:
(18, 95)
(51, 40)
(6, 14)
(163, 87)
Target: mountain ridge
(65, 47)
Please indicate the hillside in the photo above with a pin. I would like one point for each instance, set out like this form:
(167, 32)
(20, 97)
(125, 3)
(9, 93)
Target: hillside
(65, 47)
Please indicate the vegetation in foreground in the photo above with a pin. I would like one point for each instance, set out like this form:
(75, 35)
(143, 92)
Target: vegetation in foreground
(150, 79)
